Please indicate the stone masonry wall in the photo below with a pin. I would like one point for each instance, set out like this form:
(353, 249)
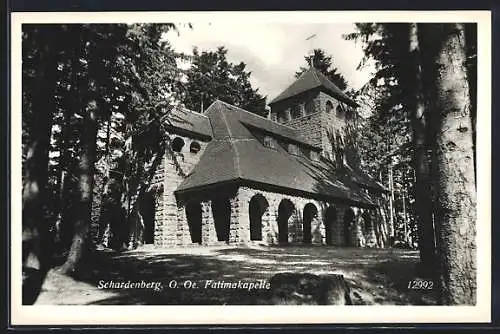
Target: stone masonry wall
(316, 124)
(309, 123)
(332, 121)
(175, 165)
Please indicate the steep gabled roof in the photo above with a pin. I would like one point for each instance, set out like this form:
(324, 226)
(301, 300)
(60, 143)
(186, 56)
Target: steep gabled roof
(229, 120)
(311, 79)
(235, 154)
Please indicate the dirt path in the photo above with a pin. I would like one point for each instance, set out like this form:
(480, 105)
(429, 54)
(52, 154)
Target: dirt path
(188, 275)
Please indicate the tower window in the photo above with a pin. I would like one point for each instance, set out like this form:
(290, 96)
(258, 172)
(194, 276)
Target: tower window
(295, 111)
(194, 147)
(329, 106)
(269, 142)
(281, 115)
(309, 107)
(177, 144)
(274, 117)
(340, 111)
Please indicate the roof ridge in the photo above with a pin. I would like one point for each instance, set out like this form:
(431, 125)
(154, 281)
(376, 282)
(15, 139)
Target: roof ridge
(256, 115)
(236, 159)
(194, 112)
(315, 71)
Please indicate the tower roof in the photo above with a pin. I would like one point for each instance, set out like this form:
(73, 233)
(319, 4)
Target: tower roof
(311, 79)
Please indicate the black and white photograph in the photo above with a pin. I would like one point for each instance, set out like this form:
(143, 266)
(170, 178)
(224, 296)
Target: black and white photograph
(286, 160)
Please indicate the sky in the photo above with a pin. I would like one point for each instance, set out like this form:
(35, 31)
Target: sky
(274, 51)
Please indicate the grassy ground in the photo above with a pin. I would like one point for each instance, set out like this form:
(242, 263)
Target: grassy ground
(376, 276)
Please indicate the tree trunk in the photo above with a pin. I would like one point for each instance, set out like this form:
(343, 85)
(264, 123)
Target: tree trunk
(392, 230)
(83, 207)
(423, 198)
(456, 192)
(35, 238)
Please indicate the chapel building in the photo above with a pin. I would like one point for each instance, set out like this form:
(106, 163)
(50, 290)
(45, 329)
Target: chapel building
(233, 177)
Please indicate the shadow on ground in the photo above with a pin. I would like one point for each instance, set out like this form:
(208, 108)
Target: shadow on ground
(376, 276)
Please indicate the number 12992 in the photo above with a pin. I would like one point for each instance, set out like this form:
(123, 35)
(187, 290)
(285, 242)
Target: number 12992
(420, 285)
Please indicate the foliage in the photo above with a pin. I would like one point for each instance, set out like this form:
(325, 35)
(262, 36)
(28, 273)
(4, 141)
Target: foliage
(386, 141)
(131, 74)
(212, 77)
(325, 65)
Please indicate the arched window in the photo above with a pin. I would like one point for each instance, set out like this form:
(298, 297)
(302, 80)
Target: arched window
(177, 144)
(340, 111)
(309, 106)
(281, 116)
(274, 117)
(295, 111)
(269, 142)
(194, 147)
(329, 106)
(349, 114)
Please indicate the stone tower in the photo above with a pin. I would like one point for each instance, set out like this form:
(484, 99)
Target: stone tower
(318, 108)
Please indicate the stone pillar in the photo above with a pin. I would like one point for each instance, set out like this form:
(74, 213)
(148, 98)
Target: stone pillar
(183, 235)
(237, 231)
(170, 221)
(208, 234)
(266, 226)
(371, 237)
(295, 226)
(158, 219)
(273, 232)
(357, 228)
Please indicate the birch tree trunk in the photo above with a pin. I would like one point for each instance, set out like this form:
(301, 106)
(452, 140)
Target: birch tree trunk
(456, 193)
(423, 198)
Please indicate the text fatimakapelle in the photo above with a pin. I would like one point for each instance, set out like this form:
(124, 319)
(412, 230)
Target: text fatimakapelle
(260, 284)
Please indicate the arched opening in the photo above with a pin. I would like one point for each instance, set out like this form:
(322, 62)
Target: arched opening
(285, 210)
(257, 207)
(282, 116)
(193, 214)
(330, 219)
(309, 215)
(194, 147)
(177, 144)
(309, 107)
(295, 111)
(221, 210)
(340, 111)
(367, 222)
(329, 106)
(348, 218)
(147, 210)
